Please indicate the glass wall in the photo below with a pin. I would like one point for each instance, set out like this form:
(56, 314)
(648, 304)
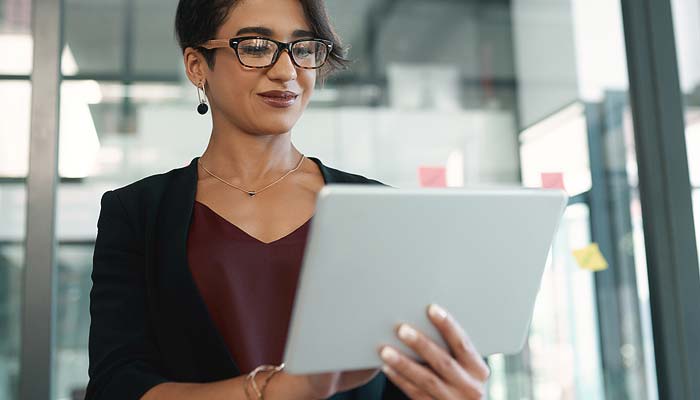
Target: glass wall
(591, 334)
(686, 14)
(15, 86)
(515, 92)
(512, 90)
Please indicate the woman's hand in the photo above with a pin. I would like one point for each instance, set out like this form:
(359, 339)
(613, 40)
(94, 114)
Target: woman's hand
(460, 375)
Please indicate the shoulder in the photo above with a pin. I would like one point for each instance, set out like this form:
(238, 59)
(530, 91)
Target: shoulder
(334, 175)
(141, 198)
(151, 185)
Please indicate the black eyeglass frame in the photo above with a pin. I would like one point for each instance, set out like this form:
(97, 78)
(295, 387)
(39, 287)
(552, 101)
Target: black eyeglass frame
(233, 43)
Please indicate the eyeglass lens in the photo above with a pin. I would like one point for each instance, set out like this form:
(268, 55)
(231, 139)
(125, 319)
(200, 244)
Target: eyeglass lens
(261, 52)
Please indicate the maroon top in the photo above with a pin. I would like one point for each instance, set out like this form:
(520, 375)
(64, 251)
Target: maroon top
(247, 285)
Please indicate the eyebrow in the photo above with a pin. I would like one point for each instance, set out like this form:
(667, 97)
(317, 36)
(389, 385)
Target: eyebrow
(299, 33)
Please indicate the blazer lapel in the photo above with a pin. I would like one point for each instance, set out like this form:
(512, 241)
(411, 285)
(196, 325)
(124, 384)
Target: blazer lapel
(192, 342)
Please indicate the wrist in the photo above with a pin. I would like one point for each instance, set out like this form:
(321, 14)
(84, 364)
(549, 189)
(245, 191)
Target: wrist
(290, 387)
(254, 389)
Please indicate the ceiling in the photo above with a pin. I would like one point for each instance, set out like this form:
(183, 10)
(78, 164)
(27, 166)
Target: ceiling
(472, 34)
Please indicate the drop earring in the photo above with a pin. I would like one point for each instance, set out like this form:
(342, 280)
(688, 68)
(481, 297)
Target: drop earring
(202, 108)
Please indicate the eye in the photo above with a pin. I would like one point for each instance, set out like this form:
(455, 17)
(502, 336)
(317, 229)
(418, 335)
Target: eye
(305, 49)
(302, 52)
(255, 47)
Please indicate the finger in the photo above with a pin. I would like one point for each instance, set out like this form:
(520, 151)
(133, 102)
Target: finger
(437, 358)
(417, 374)
(458, 341)
(411, 390)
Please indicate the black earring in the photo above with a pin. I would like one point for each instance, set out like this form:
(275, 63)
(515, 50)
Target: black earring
(202, 108)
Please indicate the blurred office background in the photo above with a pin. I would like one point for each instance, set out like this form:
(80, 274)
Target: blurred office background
(494, 91)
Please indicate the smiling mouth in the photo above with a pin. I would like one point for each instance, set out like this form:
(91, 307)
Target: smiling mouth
(279, 100)
(281, 97)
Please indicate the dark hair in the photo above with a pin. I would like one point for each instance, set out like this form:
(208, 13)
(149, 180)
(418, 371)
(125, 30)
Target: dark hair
(197, 21)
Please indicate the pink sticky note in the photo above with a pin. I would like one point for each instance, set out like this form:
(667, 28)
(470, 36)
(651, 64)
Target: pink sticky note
(553, 180)
(432, 176)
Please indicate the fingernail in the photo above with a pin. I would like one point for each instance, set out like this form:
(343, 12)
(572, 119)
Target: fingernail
(387, 369)
(407, 333)
(437, 312)
(389, 355)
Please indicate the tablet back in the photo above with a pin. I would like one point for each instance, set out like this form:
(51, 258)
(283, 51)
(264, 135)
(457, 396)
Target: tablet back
(377, 256)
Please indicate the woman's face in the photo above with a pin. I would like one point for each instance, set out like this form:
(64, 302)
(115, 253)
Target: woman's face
(246, 96)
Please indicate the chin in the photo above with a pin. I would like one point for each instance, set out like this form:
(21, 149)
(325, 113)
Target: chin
(276, 128)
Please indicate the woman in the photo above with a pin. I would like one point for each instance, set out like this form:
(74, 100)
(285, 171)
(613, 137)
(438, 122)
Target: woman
(195, 269)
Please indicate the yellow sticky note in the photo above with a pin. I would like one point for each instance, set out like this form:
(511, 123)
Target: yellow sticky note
(590, 258)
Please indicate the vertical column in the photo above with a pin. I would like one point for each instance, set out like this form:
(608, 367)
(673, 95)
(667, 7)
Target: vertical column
(664, 184)
(37, 306)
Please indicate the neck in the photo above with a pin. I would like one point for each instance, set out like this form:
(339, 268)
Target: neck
(244, 158)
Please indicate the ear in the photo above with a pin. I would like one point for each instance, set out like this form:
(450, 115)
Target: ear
(196, 66)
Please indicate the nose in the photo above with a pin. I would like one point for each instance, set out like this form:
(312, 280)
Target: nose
(284, 69)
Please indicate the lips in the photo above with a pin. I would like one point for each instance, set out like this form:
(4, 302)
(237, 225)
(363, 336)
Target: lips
(279, 98)
(279, 94)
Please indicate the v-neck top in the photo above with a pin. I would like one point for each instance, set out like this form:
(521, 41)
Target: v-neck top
(247, 285)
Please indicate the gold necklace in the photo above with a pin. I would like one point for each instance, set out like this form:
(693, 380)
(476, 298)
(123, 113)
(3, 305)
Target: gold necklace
(252, 193)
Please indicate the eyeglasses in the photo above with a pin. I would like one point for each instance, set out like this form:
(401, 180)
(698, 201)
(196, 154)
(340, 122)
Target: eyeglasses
(260, 52)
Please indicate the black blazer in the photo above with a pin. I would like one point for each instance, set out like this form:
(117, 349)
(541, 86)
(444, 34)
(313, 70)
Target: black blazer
(149, 323)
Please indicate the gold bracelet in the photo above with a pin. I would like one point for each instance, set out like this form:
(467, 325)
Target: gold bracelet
(245, 389)
(250, 379)
(267, 380)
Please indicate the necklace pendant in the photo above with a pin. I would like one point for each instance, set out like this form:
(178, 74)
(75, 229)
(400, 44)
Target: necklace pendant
(251, 194)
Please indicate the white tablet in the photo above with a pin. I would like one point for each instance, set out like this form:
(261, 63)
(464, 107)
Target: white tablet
(376, 256)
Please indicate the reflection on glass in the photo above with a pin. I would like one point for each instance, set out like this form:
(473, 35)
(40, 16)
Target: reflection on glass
(565, 356)
(73, 319)
(12, 233)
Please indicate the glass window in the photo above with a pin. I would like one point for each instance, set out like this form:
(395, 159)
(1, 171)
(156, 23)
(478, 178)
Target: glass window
(12, 234)
(687, 32)
(156, 53)
(591, 333)
(95, 33)
(511, 90)
(14, 127)
(15, 86)
(16, 37)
